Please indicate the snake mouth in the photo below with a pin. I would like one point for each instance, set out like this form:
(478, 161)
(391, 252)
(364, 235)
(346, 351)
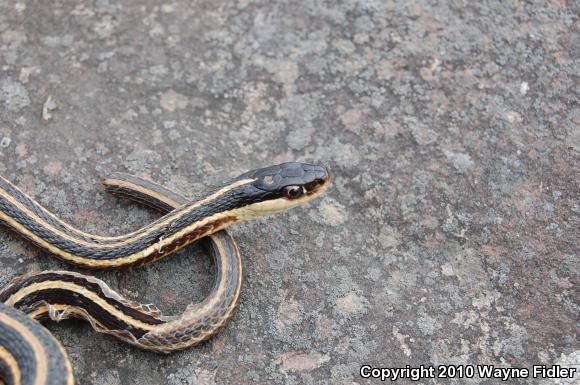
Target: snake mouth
(313, 189)
(318, 186)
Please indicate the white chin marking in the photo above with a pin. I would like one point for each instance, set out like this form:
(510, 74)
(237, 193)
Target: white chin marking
(261, 209)
(268, 207)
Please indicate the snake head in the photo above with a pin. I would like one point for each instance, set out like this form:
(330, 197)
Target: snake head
(279, 187)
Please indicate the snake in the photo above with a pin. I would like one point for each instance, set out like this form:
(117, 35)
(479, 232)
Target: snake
(59, 295)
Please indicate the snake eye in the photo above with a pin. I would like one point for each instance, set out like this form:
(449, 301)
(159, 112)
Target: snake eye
(293, 192)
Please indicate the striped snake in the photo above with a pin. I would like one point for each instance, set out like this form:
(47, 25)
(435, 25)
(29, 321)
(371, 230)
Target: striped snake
(26, 355)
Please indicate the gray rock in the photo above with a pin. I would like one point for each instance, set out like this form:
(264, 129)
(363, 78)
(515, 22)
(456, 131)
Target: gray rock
(13, 95)
(451, 130)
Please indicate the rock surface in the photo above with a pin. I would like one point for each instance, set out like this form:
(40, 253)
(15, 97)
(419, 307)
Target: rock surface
(450, 235)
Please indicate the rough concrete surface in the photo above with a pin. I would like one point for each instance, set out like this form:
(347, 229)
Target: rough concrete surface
(450, 235)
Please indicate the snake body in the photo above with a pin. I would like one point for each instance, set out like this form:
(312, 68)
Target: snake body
(58, 294)
(29, 354)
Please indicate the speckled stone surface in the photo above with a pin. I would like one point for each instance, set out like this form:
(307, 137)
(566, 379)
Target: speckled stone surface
(450, 235)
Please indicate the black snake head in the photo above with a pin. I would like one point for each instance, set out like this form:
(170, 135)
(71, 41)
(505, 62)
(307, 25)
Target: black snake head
(279, 187)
